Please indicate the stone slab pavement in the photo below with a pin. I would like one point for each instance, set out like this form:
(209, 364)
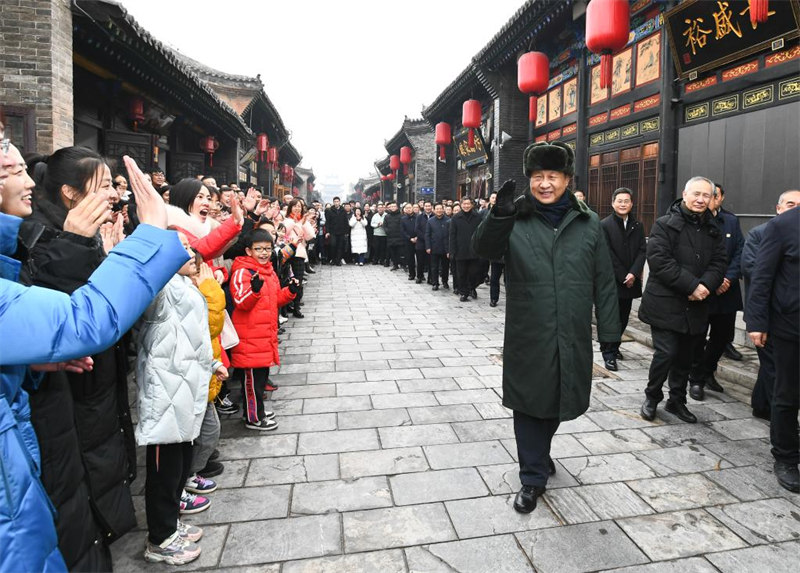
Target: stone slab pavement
(394, 453)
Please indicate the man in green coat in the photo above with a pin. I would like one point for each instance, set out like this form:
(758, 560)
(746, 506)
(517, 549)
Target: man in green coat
(557, 266)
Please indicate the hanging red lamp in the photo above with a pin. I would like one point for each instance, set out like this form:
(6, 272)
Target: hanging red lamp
(533, 77)
(209, 144)
(262, 145)
(272, 156)
(405, 158)
(394, 162)
(759, 9)
(471, 118)
(390, 177)
(443, 137)
(136, 111)
(608, 27)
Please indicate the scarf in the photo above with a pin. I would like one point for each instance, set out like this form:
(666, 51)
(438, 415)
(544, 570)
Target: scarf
(554, 212)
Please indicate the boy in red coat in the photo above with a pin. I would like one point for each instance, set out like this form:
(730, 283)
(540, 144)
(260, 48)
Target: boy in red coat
(257, 296)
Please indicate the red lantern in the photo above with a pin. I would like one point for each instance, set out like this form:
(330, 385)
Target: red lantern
(533, 77)
(405, 158)
(443, 137)
(272, 156)
(262, 145)
(471, 118)
(607, 30)
(390, 177)
(759, 11)
(384, 177)
(136, 111)
(209, 144)
(394, 162)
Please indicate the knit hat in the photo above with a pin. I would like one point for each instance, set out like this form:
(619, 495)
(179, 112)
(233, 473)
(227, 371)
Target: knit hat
(554, 156)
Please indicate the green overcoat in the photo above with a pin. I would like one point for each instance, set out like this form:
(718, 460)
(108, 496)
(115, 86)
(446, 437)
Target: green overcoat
(553, 276)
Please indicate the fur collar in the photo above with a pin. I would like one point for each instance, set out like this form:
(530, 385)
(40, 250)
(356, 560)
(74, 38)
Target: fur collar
(177, 217)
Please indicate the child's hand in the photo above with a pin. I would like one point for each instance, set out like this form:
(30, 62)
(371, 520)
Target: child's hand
(294, 286)
(203, 273)
(222, 373)
(256, 282)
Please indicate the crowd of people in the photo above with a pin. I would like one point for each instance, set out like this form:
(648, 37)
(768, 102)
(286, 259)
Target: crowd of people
(107, 270)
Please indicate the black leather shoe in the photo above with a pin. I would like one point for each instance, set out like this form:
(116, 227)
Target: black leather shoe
(435, 287)
(611, 364)
(731, 352)
(763, 414)
(681, 411)
(618, 355)
(214, 455)
(310, 271)
(412, 278)
(648, 411)
(525, 502)
(473, 293)
(551, 466)
(713, 385)
(787, 475)
(298, 314)
(696, 392)
(419, 280)
(493, 303)
(212, 469)
(445, 286)
(464, 298)
(281, 330)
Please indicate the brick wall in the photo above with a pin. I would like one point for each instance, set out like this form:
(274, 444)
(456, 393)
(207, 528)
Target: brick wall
(36, 67)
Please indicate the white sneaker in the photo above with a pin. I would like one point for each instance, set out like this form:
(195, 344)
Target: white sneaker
(175, 550)
(189, 532)
(282, 319)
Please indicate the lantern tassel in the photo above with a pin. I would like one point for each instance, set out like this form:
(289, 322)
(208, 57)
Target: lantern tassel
(405, 168)
(471, 138)
(606, 60)
(211, 160)
(441, 153)
(532, 109)
(759, 10)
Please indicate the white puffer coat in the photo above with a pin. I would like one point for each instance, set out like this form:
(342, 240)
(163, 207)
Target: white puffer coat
(174, 365)
(358, 235)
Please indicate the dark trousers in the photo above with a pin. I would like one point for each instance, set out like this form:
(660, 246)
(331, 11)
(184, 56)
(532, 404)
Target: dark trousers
(396, 254)
(470, 274)
(298, 269)
(761, 400)
(422, 263)
(440, 266)
(533, 436)
(785, 401)
(707, 353)
(253, 393)
(673, 358)
(338, 245)
(168, 468)
(378, 249)
(320, 248)
(410, 254)
(624, 315)
(495, 271)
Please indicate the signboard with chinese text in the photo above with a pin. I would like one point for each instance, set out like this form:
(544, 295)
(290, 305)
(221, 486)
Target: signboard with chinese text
(470, 155)
(707, 34)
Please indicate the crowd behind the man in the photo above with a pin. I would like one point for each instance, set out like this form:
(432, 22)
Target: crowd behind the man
(217, 323)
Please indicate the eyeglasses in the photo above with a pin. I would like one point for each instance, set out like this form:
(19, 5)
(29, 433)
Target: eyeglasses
(262, 249)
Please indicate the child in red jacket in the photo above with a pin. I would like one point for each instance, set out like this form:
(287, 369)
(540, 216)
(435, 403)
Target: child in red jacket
(257, 296)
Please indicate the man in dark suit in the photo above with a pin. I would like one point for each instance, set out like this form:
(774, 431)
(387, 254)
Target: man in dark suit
(625, 237)
(420, 247)
(469, 267)
(761, 399)
(773, 313)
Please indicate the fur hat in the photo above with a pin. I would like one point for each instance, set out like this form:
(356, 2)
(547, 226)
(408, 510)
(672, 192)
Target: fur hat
(554, 156)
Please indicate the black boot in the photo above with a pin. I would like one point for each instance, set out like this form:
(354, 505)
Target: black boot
(525, 502)
(648, 411)
(679, 409)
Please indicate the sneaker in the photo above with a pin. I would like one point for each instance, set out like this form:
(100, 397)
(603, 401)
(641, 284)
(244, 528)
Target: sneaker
(191, 503)
(199, 484)
(190, 533)
(225, 406)
(175, 550)
(283, 320)
(270, 387)
(263, 425)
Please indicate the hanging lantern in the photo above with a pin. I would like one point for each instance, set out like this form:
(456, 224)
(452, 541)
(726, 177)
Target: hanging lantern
(390, 177)
(136, 111)
(272, 156)
(759, 10)
(209, 144)
(607, 29)
(383, 177)
(443, 138)
(394, 162)
(533, 77)
(262, 145)
(471, 118)
(405, 158)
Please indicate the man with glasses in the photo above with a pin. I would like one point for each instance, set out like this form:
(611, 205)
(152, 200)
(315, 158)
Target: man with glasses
(625, 238)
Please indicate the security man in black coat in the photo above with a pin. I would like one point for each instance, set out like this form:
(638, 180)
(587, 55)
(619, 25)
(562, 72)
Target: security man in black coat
(470, 270)
(773, 313)
(437, 243)
(421, 224)
(687, 261)
(625, 237)
(337, 228)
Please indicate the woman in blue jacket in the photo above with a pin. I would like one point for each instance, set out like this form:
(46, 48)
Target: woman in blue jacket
(42, 326)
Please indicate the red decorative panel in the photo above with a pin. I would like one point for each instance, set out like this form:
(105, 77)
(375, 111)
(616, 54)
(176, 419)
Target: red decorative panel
(598, 119)
(570, 129)
(620, 111)
(553, 135)
(740, 71)
(646, 103)
(700, 84)
(782, 57)
(541, 138)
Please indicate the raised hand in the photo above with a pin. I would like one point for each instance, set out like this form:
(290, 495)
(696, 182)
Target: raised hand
(504, 205)
(237, 212)
(251, 200)
(149, 205)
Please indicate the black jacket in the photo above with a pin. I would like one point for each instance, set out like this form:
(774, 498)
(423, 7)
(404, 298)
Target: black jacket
(773, 303)
(421, 224)
(628, 251)
(394, 230)
(731, 300)
(437, 235)
(409, 226)
(684, 251)
(750, 253)
(462, 227)
(336, 221)
(82, 421)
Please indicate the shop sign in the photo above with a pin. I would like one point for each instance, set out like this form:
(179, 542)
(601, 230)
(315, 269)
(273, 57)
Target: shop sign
(425, 191)
(707, 34)
(725, 105)
(789, 88)
(758, 96)
(474, 155)
(650, 125)
(695, 112)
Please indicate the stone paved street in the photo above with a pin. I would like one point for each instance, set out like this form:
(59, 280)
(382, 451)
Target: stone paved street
(395, 454)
